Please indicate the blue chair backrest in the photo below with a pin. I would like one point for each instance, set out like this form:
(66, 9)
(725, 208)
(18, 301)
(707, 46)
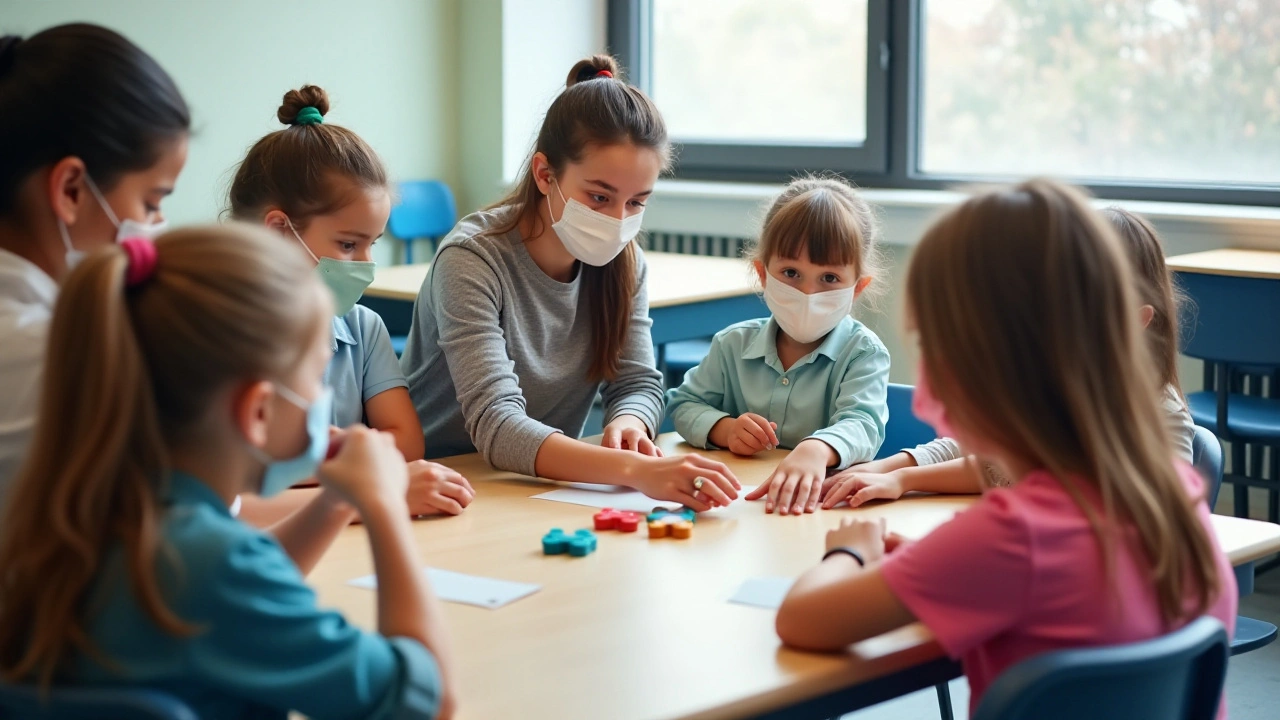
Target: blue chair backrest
(90, 703)
(904, 430)
(426, 210)
(1206, 457)
(1220, 324)
(1174, 677)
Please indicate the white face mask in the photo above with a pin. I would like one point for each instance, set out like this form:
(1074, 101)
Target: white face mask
(806, 317)
(127, 228)
(590, 236)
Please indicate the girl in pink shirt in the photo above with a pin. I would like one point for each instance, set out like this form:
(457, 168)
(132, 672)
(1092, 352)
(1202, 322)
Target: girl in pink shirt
(1103, 538)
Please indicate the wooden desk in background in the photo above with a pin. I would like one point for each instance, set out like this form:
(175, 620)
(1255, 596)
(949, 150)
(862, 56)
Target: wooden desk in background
(643, 629)
(690, 296)
(1263, 264)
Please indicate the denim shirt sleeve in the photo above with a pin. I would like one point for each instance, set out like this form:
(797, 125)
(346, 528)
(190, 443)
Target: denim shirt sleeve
(698, 404)
(860, 409)
(262, 637)
(381, 366)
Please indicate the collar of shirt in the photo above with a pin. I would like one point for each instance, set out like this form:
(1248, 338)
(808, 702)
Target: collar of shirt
(187, 489)
(765, 345)
(342, 332)
(22, 281)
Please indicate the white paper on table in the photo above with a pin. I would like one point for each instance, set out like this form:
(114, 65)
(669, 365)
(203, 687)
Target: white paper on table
(613, 496)
(763, 592)
(466, 589)
(606, 496)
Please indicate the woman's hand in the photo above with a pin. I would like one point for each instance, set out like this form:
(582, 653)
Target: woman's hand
(628, 432)
(692, 480)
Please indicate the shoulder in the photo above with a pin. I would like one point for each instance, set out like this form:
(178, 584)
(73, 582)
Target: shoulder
(476, 232)
(216, 552)
(365, 323)
(741, 334)
(863, 338)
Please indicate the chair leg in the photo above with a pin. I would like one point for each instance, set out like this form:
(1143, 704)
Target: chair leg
(1241, 509)
(944, 702)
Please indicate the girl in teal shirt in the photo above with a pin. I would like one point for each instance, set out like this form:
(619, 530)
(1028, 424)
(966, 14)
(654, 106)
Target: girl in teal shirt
(180, 375)
(810, 378)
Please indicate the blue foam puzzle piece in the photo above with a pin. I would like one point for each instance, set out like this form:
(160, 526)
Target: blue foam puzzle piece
(582, 543)
(555, 542)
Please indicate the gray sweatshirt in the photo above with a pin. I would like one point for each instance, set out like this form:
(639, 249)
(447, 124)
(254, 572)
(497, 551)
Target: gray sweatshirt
(498, 352)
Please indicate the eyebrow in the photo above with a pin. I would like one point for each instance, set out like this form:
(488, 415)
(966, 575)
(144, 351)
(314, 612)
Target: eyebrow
(613, 189)
(354, 233)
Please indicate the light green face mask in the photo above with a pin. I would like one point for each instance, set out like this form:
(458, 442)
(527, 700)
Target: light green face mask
(346, 279)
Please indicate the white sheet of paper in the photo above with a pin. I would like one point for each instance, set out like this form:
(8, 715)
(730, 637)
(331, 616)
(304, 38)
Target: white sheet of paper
(763, 592)
(466, 589)
(612, 496)
(606, 496)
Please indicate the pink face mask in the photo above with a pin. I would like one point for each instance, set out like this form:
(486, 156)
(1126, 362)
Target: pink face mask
(928, 408)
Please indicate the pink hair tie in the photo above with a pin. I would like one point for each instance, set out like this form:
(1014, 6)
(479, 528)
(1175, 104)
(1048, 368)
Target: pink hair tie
(142, 260)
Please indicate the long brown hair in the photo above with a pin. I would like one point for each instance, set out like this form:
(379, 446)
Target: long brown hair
(594, 110)
(1027, 315)
(298, 169)
(1156, 287)
(130, 371)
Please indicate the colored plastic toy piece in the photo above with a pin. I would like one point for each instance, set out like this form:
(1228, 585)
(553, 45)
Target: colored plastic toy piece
(620, 520)
(558, 542)
(555, 542)
(582, 543)
(671, 523)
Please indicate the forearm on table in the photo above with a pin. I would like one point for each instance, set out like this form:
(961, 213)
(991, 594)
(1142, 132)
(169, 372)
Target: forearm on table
(955, 477)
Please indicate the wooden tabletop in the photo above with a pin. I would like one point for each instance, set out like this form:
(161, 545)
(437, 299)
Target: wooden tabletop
(641, 628)
(674, 279)
(1238, 263)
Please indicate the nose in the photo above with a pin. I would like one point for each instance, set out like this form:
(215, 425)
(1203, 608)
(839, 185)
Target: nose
(364, 254)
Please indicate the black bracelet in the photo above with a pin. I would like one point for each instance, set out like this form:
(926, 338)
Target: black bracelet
(846, 551)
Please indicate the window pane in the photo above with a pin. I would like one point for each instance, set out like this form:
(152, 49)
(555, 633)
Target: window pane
(1168, 90)
(762, 71)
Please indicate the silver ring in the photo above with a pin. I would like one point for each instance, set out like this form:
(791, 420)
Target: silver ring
(698, 483)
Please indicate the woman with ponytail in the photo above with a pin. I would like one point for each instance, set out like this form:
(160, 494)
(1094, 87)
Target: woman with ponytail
(537, 303)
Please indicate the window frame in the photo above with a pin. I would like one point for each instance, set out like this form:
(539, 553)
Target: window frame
(889, 158)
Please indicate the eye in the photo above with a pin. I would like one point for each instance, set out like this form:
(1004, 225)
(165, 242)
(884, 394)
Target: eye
(636, 203)
(831, 278)
(151, 209)
(601, 199)
(347, 246)
(790, 273)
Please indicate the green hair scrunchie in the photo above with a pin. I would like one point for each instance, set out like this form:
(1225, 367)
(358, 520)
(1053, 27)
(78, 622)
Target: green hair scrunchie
(308, 116)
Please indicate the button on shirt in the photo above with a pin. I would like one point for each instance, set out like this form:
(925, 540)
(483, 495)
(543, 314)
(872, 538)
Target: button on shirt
(261, 647)
(837, 393)
(27, 296)
(364, 364)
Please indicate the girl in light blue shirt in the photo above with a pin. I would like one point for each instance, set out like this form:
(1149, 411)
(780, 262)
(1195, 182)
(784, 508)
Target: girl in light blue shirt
(810, 378)
(180, 375)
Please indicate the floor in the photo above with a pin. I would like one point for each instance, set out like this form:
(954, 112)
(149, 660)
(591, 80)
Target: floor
(1253, 679)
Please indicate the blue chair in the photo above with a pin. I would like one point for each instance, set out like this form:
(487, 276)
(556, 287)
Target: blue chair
(1175, 677)
(90, 703)
(904, 430)
(426, 211)
(678, 358)
(1206, 456)
(1221, 329)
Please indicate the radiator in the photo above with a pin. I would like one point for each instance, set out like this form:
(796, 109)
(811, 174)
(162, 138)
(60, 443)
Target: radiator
(691, 244)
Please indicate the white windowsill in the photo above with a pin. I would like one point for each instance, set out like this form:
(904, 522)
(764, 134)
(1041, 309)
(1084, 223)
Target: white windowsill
(734, 209)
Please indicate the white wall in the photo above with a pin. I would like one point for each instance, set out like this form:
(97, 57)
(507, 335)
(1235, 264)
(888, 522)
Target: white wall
(389, 67)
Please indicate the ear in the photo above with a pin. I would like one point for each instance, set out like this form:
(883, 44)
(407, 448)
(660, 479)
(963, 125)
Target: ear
(277, 220)
(251, 411)
(543, 174)
(861, 285)
(1146, 313)
(760, 272)
(66, 189)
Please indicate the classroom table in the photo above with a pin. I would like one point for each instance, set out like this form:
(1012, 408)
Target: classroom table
(690, 296)
(1231, 262)
(642, 628)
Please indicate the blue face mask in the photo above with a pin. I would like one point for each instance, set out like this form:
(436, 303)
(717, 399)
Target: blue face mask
(284, 474)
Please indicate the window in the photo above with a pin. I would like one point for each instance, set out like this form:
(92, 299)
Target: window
(1140, 99)
(1171, 90)
(751, 86)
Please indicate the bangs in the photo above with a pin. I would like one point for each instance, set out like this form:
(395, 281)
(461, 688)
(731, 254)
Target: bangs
(818, 223)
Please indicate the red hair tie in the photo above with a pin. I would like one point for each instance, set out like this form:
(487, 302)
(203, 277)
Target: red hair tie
(142, 260)
(604, 73)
